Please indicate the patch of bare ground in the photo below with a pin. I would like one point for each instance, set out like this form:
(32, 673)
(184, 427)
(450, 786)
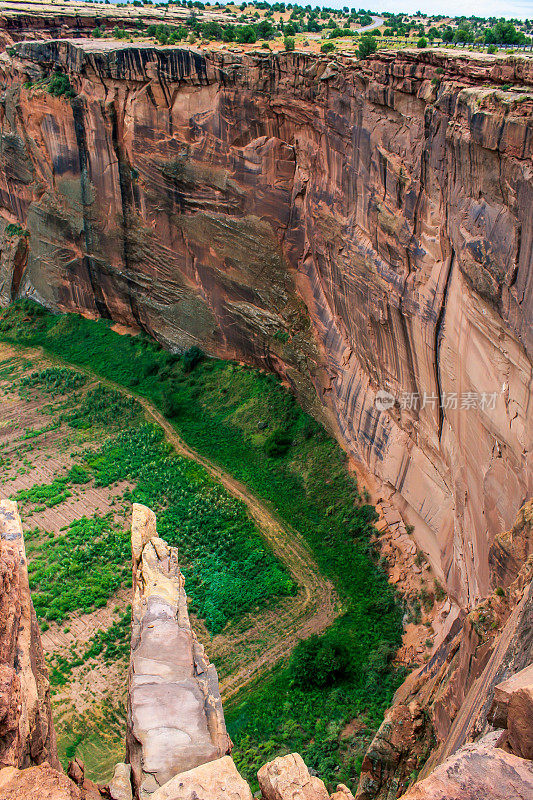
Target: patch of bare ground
(80, 628)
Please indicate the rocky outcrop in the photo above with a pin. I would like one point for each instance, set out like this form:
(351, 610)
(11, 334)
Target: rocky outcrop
(512, 709)
(357, 227)
(175, 718)
(216, 779)
(287, 778)
(36, 783)
(476, 771)
(449, 701)
(26, 729)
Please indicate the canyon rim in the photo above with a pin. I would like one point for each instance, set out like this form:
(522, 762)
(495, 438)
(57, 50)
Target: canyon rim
(364, 230)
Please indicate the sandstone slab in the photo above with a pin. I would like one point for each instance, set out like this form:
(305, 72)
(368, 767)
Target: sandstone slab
(216, 780)
(288, 778)
(477, 772)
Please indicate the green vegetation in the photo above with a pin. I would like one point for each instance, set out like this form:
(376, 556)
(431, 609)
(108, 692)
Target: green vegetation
(289, 44)
(58, 85)
(44, 495)
(105, 407)
(245, 421)
(367, 46)
(14, 229)
(111, 643)
(226, 565)
(54, 381)
(80, 569)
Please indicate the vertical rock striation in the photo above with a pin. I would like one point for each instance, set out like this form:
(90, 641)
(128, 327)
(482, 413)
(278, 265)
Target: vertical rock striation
(357, 227)
(26, 730)
(175, 717)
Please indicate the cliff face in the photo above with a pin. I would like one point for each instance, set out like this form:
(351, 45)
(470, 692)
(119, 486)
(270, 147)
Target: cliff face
(26, 730)
(356, 227)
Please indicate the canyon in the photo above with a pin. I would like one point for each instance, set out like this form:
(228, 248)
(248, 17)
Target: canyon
(358, 228)
(364, 230)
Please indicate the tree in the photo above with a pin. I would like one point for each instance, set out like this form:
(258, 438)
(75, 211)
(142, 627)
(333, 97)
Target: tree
(318, 662)
(367, 46)
(289, 43)
(327, 47)
(422, 43)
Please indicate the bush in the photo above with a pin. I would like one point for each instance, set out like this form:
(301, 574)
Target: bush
(59, 86)
(289, 43)
(318, 662)
(327, 47)
(491, 49)
(422, 43)
(277, 444)
(170, 406)
(367, 46)
(191, 358)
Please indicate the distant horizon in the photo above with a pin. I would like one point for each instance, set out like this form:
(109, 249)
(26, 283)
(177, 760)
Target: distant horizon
(521, 9)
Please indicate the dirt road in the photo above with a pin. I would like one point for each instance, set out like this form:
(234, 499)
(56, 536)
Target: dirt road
(254, 644)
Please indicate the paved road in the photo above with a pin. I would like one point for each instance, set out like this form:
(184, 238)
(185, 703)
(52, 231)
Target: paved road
(377, 22)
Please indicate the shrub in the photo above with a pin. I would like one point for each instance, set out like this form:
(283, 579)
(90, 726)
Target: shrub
(191, 358)
(491, 49)
(367, 46)
(499, 592)
(422, 43)
(171, 406)
(59, 85)
(318, 662)
(13, 229)
(277, 444)
(289, 43)
(327, 47)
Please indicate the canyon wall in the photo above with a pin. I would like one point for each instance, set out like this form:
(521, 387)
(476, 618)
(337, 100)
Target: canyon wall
(27, 734)
(357, 227)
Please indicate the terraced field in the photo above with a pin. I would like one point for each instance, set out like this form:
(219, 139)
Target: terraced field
(58, 441)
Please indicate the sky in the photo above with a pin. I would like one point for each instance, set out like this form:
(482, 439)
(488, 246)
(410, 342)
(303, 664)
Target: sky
(455, 8)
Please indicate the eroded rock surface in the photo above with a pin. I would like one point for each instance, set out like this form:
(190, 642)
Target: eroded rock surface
(288, 778)
(477, 772)
(36, 783)
(175, 718)
(26, 730)
(449, 701)
(216, 779)
(356, 226)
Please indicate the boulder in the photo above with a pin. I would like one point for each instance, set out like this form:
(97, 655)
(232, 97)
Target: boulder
(287, 778)
(342, 793)
(477, 771)
(503, 692)
(36, 783)
(120, 784)
(211, 781)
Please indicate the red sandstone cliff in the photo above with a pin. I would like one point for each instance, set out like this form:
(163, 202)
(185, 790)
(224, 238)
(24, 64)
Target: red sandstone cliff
(376, 216)
(26, 729)
(356, 227)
